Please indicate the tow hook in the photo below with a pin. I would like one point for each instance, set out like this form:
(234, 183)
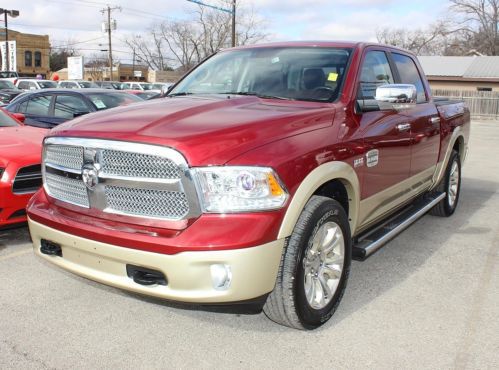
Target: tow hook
(50, 248)
(145, 276)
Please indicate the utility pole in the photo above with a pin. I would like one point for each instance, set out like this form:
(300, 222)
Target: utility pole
(233, 23)
(230, 11)
(13, 14)
(108, 30)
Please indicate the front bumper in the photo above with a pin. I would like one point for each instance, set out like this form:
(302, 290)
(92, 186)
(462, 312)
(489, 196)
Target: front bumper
(254, 270)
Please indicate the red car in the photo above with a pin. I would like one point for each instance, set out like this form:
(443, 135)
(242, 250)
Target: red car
(20, 173)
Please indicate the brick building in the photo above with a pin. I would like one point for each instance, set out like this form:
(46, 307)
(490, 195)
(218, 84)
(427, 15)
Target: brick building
(32, 53)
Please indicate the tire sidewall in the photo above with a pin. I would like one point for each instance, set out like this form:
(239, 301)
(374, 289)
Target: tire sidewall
(449, 210)
(327, 211)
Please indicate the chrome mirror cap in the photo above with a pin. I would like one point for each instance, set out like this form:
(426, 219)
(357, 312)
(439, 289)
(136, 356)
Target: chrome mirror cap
(396, 96)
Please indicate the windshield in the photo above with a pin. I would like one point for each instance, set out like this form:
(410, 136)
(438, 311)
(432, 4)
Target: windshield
(305, 73)
(47, 84)
(146, 86)
(4, 84)
(86, 84)
(111, 100)
(8, 74)
(6, 120)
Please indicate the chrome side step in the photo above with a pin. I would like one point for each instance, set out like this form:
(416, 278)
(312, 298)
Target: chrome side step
(372, 240)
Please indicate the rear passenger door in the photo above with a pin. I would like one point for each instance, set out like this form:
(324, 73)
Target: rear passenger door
(425, 123)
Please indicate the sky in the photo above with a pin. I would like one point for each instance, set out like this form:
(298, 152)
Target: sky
(80, 20)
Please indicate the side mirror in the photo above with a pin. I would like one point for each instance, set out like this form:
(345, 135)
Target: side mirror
(396, 96)
(19, 116)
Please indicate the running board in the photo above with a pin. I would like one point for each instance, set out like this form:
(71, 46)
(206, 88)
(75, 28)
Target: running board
(372, 240)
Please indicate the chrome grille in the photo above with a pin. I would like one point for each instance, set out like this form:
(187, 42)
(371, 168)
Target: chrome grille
(124, 178)
(64, 156)
(68, 190)
(120, 163)
(147, 202)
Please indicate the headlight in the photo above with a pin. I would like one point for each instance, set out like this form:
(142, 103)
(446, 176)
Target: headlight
(239, 189)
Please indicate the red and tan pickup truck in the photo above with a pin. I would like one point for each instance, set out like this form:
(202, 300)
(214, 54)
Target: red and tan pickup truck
(257, 179)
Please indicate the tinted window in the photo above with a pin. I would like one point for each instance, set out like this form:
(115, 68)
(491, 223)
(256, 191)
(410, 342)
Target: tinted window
(375, 72)
(5, 84)
(47, 84)
(67, 106)
(409, 74)
(39, 105)
(23, 85)
(111, 100)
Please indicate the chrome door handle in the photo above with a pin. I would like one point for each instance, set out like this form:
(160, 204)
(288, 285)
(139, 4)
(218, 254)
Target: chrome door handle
(434, 120)
(404, 126)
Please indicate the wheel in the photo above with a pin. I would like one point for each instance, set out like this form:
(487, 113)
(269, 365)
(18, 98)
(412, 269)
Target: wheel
(314, 267)
(451, 185)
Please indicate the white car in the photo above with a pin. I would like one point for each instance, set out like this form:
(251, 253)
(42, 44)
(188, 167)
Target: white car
(144, 86)
(77, 84)
(34, 84)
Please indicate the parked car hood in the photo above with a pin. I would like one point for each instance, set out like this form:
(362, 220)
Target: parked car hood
(20, 143)
(208, 129)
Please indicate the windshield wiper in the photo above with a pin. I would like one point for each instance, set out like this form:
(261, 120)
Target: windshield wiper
(252, 93)
(184, 93)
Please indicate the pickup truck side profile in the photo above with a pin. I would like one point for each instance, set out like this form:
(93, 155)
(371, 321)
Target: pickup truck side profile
(257, 179)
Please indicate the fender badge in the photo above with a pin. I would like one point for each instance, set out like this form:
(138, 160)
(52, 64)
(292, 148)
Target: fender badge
(358, 162)
(372, 157)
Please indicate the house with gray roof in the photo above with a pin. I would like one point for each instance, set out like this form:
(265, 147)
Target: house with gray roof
(476, 73)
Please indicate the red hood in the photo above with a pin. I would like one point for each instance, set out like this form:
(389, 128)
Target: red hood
(20, 144)
(206, 129)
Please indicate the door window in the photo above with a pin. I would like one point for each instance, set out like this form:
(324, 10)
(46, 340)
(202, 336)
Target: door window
(375, 72)
(39, 105)
(67, 106)
(23, 85)
(409, 74)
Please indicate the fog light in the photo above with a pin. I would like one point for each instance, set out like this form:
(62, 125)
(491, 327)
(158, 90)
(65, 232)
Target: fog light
(221, 276)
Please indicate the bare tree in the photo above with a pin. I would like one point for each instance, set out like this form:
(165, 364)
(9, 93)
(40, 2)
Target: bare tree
(95, 66)
(480, 19)
(429, 41)
(185, 43)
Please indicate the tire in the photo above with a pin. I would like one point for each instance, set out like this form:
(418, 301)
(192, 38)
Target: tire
(451, 185)
(309, 268)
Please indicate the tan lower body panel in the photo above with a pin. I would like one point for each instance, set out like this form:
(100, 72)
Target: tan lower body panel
(254, 270)
(377, 206)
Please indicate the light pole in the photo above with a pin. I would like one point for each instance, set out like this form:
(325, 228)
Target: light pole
(13, 14)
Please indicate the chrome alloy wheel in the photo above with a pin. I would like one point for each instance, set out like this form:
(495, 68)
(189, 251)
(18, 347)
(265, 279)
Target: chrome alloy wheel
(323, 265)
(453, 189)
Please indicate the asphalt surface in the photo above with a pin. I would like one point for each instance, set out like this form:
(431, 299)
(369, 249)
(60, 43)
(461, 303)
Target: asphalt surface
(428, 299)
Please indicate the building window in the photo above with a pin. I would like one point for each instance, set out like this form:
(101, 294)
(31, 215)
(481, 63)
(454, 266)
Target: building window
(484, 88)
(28, 59)
(38, 59)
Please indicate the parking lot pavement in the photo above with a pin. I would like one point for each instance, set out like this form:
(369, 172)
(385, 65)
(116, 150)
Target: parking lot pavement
(428, 299)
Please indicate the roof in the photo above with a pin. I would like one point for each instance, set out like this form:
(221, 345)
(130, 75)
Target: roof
(464, 67)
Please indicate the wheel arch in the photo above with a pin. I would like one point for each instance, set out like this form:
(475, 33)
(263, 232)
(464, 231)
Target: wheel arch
(457, 142)
(335, 180)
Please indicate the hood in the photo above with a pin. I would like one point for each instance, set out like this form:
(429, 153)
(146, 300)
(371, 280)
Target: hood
(207, 130)
(21, 143)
